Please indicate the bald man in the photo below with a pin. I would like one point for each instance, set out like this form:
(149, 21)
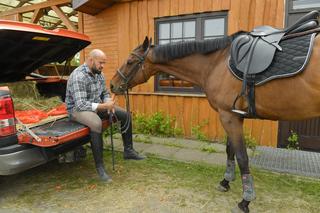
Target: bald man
(88, 101)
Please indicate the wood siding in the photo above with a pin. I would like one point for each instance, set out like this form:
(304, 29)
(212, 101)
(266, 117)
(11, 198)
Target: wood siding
(119, 29)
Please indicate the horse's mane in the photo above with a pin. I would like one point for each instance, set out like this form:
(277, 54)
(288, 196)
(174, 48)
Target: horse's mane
(167, 52)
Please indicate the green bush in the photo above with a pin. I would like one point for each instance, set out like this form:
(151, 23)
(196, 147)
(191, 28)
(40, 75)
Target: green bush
(293, 140)
(250, 141)
(155, 124)
(196, 132)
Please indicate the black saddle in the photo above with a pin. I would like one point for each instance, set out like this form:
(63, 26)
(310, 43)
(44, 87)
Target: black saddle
(252, 53)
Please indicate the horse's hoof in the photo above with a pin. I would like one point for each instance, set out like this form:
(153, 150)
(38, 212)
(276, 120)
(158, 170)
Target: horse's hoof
(222, 188)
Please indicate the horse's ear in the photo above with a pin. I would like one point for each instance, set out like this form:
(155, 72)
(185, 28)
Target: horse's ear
(145, 44)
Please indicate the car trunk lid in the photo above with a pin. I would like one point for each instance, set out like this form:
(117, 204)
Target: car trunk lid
(26, 47)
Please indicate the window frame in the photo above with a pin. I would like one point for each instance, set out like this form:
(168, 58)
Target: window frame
(291, 10)
(199, 19)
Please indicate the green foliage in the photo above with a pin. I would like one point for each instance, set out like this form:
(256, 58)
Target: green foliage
(250, 141)
(115, 129)
(293, 140)
(196, 132)
(155, 124)
(209, 149)
(142, 139)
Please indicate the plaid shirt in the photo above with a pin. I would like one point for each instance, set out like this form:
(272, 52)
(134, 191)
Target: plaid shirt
(85, 88)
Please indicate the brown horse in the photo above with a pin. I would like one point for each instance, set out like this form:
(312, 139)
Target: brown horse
(204, 63)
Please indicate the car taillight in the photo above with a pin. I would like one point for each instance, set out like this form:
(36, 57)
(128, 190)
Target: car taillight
(7, 120)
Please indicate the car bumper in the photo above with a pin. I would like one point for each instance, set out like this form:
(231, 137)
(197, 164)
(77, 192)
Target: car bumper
(16, 158)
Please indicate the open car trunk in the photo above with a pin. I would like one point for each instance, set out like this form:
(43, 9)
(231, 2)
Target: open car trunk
(26, 48)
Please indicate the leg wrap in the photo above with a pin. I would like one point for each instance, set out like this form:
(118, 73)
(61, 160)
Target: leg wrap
(229, 175)
(248, 188)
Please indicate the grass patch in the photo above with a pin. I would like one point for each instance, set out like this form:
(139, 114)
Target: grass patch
(173, 145)
(142, 139)
(150, 184)
(209, 149)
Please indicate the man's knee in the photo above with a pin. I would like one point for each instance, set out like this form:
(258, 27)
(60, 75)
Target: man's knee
(96, 126)
(89, 119)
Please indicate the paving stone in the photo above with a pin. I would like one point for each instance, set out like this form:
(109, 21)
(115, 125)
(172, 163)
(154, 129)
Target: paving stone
(288, 161)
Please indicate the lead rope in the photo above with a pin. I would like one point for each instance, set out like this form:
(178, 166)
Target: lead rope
(126, 125)
(111, 138)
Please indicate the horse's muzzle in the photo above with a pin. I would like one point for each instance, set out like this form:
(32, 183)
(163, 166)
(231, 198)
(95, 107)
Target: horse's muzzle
(116, 89)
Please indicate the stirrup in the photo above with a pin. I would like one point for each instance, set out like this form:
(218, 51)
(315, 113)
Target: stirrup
(240, 112)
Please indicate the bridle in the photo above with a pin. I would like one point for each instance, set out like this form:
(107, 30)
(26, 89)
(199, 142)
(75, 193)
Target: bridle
(126, 80)
(138, 66)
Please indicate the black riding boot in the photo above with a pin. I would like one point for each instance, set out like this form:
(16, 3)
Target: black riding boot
(97, 151)
(129, 152)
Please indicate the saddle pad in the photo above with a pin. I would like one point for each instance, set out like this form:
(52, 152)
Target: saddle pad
(290, 61)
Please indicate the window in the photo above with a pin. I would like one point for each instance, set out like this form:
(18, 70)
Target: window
(295, 9)
(300, 6)
(305, 4)
(186, 28)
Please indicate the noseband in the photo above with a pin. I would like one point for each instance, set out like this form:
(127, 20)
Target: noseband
(134, 70)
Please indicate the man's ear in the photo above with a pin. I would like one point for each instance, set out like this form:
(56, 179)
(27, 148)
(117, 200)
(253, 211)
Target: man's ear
(145, 44)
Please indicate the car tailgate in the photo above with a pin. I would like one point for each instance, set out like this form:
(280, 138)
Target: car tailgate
(55, 133)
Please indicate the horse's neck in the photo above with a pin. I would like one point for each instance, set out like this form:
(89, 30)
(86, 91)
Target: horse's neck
(196, 68)
(190, 68)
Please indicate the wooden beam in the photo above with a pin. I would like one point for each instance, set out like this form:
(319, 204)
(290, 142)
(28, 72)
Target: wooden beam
(20, 17)
(33, 7)
(81, 30)
(38, 13)
(60, 21)
(21, 3)
(64, 18)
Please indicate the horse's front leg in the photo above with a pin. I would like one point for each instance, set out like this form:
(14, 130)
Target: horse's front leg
(233, 126)
(229, 175)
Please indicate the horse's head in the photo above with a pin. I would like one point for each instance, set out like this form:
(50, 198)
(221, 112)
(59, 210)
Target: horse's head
(132, 72)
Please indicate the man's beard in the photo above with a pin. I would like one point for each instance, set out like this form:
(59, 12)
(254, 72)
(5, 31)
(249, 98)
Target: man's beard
(95, 70)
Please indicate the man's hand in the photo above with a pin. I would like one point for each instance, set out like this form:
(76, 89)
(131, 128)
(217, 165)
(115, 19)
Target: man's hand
(108, 105)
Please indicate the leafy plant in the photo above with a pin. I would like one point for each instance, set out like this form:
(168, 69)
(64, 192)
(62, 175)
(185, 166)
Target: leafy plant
(155, 124)
(209, 149)
(250, 141)
(293, 140)
(115, 129)
(197, 133)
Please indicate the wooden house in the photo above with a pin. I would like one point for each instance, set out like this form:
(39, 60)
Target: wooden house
(118, 26)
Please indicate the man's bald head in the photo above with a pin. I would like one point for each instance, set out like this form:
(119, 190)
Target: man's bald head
(96, 53)
(96, 61)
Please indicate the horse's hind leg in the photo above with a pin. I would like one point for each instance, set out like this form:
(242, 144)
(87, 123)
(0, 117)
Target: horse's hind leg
(233, 125)
(229, 175)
